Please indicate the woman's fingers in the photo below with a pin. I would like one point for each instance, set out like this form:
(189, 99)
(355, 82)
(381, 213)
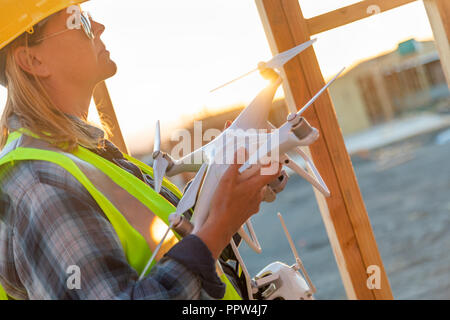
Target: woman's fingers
(233, 170)
(253, 185)
(227, 124)
(260, 180)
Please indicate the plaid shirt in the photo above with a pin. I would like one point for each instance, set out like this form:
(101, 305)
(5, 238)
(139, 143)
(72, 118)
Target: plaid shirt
(49, 222)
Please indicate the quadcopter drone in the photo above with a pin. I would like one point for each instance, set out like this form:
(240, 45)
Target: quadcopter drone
(277, 280)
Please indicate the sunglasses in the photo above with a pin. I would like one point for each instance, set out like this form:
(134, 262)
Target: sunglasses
(85, 24)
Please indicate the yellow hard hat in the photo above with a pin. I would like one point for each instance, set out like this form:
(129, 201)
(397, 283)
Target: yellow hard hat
(18, 16)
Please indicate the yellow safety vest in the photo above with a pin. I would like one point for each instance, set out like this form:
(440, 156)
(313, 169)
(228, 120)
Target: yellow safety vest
(131, 205)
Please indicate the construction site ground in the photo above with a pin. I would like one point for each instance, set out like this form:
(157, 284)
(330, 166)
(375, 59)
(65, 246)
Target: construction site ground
(406, 189)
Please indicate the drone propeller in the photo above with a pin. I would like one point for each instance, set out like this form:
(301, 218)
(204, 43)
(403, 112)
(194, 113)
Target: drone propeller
(160, 163)
(186, 202)
(275, 63)
(313, 99)
(280, 59)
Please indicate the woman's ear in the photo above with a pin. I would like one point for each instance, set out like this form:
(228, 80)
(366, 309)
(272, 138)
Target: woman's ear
(30, 62)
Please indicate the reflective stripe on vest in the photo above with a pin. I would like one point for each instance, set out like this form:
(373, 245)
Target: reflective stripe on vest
(3, 295)
(133, 207)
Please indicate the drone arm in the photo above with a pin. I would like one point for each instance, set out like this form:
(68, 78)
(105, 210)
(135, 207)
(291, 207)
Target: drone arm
(179, 167)
(315, 179)
(189, 163)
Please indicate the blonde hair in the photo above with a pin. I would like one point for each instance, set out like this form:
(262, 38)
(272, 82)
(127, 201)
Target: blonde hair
(28, 99)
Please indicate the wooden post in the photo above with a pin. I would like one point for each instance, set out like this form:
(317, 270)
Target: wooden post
(344, 213)
(439, 15)
(107, 115)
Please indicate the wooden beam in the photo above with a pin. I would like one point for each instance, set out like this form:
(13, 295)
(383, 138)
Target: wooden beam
(351, 13)
(438, 12)
(107, 115)
(344, 213)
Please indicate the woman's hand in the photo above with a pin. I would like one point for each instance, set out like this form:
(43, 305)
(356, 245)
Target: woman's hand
(236, 199)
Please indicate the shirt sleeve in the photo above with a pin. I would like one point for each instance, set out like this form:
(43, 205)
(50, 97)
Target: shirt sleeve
(193, 252)
(59, 237)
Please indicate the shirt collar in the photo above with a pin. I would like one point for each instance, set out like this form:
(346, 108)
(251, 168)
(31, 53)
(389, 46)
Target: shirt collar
(93, 131)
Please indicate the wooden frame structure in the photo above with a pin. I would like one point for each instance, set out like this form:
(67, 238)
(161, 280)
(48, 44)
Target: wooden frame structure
(439, 15)
(344, 213)
(107, 115)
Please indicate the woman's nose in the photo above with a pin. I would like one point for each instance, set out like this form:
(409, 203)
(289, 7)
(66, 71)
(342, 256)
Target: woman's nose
(98, 28)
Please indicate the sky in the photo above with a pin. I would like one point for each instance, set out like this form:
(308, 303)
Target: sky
(171, 53)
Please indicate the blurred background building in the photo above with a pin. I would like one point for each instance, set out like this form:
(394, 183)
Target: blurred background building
(390, 85)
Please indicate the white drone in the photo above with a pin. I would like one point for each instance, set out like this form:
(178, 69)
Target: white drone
(276, 280)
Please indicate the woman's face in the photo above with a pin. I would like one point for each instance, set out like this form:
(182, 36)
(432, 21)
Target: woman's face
(71, 57)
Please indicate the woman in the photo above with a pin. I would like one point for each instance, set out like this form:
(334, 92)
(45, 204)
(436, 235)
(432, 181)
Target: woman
(72, 203)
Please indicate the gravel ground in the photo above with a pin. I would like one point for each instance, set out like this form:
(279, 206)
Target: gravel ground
(406, 189)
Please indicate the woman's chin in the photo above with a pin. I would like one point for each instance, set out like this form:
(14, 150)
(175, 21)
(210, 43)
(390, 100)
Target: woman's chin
(109, 70)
